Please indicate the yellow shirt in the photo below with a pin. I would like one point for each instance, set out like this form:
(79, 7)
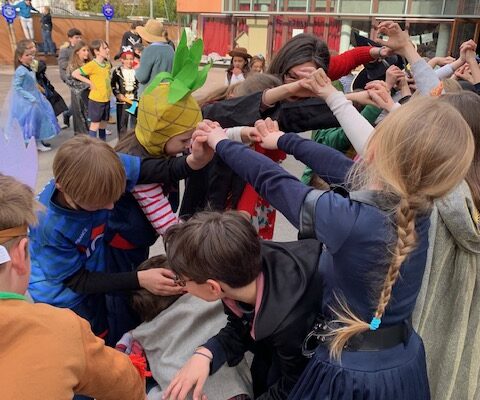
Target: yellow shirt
(99, 75)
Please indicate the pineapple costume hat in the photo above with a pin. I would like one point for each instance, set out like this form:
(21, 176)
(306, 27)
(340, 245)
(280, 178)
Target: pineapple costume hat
(167, 108)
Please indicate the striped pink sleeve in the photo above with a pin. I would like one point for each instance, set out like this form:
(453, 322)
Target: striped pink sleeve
(155, 206)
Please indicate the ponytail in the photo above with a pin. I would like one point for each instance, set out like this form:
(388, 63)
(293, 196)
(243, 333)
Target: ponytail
(351, 325)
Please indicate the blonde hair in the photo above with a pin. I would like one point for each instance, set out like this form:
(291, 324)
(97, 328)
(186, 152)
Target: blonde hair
(451, 86)
(418, 154)
(17, 207)
(89, 171)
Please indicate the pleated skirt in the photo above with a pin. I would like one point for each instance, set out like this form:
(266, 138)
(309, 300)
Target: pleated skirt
(399, 373)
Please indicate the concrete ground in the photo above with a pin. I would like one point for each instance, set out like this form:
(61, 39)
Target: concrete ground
(284, 231)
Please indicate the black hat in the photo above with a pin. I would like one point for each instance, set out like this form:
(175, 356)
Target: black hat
(375, 70)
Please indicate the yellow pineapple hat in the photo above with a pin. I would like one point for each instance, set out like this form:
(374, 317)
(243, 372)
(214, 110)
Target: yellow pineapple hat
(166, 107)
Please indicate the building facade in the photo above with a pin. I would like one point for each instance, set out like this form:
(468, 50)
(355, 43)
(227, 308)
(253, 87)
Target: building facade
(263, 26)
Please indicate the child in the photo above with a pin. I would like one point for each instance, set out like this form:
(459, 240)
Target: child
(96, 74)
(79, 90)
(55, 348)
(164, 129)
(370, 236)
(239, 67)
(270, 292)
(174, 316)
(257, 64)
(29, 108)
(67, 246)
(124, 87)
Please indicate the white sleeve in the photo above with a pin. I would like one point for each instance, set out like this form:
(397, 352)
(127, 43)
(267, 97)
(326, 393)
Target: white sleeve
(425, 77)
(354, 124)
(444, 72)
(235, 134)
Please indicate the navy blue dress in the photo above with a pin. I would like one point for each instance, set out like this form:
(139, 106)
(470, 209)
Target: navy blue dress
(353, 264)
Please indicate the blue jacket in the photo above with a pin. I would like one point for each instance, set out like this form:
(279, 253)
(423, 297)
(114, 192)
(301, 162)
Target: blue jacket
(24, 10)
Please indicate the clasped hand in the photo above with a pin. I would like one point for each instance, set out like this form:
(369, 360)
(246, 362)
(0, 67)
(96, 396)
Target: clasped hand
(266, 132)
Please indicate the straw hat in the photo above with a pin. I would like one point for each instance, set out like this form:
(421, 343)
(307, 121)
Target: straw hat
(240, 52)
(152, 31)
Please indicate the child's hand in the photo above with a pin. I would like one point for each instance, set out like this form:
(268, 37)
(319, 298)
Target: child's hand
(319, 84)
(159, 281)
(201, 153)
(464, 73)
(393, 74)
(381, 97)
(213, 136)
(236, 71)
(92, 86)
(269, 132)
(250, 135)
(398, 40)
(193, 375)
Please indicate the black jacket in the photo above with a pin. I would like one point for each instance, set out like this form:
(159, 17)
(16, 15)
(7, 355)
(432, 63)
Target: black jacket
(118, 83)
(292, 116)
(291, 299)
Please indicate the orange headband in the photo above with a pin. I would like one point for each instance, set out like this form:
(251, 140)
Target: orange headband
(11, 233)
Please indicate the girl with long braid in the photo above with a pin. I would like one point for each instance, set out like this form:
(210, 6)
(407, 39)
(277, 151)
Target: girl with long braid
(372, 234)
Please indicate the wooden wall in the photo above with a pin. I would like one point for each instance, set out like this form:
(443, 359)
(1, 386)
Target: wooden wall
(91, 28)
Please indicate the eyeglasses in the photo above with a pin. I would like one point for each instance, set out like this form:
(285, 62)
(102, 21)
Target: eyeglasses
(180, 281)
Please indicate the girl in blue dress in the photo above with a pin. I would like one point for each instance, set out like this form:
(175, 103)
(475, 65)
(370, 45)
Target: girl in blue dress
(375, 236)
(28, 106)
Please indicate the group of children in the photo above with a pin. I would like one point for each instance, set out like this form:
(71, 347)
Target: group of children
(241, 64)
(328, 316)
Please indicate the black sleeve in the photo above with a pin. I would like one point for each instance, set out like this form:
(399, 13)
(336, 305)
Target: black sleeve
(87, 282)
(292, 116)
(167, 170)
(230, 344)
(115, 84)
(239, 111)
(477, 88)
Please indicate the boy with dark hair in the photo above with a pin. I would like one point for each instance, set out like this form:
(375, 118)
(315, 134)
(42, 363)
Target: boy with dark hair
(96, 73)
(65, 53)
(270, 293)
(175, 316)
(54, 348)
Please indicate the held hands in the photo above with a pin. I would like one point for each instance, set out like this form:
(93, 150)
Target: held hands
(379, 94)
(318, 84)
(159, 281)
(269, 133)
(393, 75)
(192, 375)
(266, 132)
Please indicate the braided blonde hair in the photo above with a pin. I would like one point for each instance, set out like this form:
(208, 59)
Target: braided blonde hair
(418, 153)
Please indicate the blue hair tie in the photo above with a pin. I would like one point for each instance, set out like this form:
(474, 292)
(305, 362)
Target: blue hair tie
(375, 323)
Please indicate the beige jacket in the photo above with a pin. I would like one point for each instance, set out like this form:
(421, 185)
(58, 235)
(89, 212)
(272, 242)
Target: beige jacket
(447, 313)
(51, 353)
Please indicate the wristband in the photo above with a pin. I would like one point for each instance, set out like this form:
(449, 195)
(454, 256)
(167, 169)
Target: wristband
(205, 355)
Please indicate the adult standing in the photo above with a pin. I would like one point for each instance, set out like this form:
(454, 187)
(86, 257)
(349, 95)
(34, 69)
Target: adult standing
(47, 26)
(74, 37)
(25, 9)
(157, 57)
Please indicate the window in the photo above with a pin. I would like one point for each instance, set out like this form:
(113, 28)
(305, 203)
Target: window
(355, 6)
(429, 7)
(293, 5)
(391, 6)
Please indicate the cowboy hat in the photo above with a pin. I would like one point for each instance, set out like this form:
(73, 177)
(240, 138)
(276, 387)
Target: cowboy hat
(152, 31)
(239, 52)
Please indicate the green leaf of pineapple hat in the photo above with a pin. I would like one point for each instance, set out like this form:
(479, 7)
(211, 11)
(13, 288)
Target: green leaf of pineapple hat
(166, 107)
